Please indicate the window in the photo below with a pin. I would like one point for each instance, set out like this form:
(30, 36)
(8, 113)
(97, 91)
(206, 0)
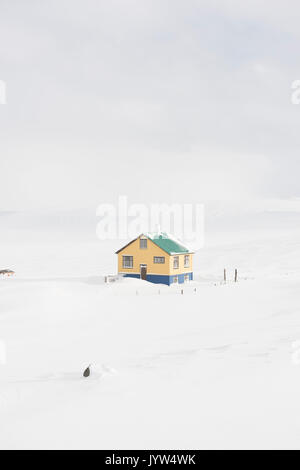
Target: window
(127, 261)
(159, 259)
(186, 277)
(186, 261)
(143, 243)
(175, 280)
(176, 262)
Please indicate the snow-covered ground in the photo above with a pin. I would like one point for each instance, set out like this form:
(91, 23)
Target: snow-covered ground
(212, 368)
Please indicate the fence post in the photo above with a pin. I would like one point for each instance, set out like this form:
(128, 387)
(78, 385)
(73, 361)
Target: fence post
(235, 275)
(225, 276)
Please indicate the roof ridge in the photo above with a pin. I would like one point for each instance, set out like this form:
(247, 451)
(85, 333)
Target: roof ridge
(164, 241)
(168, 242)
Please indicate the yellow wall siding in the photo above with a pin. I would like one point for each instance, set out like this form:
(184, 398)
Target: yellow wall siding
(181, 268)
(144, 256)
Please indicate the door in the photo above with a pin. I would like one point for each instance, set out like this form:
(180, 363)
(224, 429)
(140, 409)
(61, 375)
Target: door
(143, 272)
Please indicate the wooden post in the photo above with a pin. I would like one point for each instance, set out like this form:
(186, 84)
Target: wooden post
(225, 275)
(195, 290)
(181, 291)
(235, 275)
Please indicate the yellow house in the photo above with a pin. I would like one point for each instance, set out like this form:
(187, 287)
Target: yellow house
(157, 258)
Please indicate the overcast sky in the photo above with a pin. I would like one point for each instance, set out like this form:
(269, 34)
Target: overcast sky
(162, 100)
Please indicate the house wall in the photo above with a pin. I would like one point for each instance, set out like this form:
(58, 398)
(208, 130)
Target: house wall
(163, 279)
(144, 256)
(181, 268)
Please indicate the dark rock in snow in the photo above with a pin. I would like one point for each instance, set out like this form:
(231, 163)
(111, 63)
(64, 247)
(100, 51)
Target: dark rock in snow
(87, 372)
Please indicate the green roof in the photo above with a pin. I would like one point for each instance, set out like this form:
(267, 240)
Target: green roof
(167, 243)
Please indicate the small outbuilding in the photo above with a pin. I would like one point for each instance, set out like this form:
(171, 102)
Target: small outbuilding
(156, 257)
(6, 272)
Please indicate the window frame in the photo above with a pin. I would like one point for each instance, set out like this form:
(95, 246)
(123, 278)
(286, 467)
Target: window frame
(146, 242)
(187, 264)
(177, 280)
(177, 262)
(123, 262)
(155, 258)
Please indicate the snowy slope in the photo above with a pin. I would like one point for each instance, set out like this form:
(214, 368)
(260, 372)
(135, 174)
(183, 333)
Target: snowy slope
(215, 368)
